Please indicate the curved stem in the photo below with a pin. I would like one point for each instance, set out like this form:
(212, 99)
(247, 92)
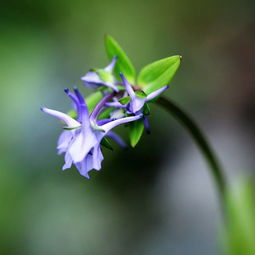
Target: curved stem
(99, 106)
(200, 139)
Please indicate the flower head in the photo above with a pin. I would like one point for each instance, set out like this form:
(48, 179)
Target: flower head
(80, 141)
(101, 77)
(137, 98)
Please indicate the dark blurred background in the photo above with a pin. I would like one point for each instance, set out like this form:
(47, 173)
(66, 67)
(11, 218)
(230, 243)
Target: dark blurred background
(157, 198)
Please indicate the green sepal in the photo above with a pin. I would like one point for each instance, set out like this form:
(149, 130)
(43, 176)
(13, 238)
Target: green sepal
(123, 63)
(124, 100)
(71, 128)
(158, 74)
(136, 131)
(106, 143)
(140, 94)
(146, 109)
(105, 75)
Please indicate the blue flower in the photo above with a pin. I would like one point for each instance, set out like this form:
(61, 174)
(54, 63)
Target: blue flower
(137, 98)
(101, 77)
(80, 141)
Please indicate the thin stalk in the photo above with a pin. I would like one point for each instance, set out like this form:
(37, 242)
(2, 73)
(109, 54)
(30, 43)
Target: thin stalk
(200, 139)
(100, 105)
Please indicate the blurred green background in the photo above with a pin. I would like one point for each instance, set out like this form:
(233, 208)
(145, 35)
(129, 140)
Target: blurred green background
(157, 198)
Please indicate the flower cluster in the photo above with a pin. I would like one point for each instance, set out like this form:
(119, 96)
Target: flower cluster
(117, 102)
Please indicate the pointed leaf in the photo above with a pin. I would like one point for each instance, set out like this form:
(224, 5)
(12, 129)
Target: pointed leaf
(123, 63)
(136, 131)
(158, 74)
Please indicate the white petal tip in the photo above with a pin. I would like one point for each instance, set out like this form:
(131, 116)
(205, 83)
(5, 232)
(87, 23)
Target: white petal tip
(65, 167)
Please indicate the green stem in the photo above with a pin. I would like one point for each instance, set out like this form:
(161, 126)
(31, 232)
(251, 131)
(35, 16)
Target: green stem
(200, 139)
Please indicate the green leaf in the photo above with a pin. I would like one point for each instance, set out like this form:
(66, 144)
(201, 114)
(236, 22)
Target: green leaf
(158, 74)
(136, 131)
(106, 143)
(93, 99)
(123, 63)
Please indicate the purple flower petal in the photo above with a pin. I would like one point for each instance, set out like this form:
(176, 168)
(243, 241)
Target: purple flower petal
(97, 157)
(100, 106)
(146, 124)
(115, 104)
(91, 79)
(103, 121)
(64, 140)
(117, 139)
(76, 103)
(136, 104)
(84, 111)
(156, 93)
(85, 166)
(128, 87)
(73, 97)
(68, 161)
(70, 122)
(82, 145)
(107, 127)
(111, 66)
